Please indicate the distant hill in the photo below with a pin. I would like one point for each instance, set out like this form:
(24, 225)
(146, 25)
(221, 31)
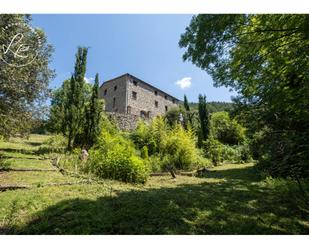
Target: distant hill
(214, 106)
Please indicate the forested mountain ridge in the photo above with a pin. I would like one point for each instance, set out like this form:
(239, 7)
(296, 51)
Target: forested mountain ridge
(214, 106)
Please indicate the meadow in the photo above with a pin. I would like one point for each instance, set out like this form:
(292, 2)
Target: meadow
(228, 199)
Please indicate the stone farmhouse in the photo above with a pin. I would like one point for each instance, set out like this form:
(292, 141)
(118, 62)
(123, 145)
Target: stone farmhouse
(128, 97)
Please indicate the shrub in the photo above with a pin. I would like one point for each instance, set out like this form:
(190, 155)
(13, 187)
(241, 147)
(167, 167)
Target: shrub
(226, 130)
(144, 152)
(173, 146)
(155, 163)
(219, 152)
(201, 162)
(140, 136)
(180, 148)
(214, 150)
(153, 135)
(115, 158)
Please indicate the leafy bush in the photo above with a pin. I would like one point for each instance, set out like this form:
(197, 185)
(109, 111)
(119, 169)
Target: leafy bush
(226, 130)
(155, 163)
(214, 150)
(144, 152)
(168, 147)
(219, 152)
(153, 135)
(180, 148)
(201, 162)
(115, 158)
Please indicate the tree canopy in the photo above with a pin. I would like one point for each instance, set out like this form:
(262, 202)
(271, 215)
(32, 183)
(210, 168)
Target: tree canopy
(265, 59)
(22, 87)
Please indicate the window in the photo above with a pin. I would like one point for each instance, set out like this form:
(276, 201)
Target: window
(129, 110)
(114, 102)
(156, 93)
(156, 104)
(166, 108)
(173, 101)
(143, 114)
(134, 95)
(115, 88)
(105, 92)
(165, 97)
(135, 82)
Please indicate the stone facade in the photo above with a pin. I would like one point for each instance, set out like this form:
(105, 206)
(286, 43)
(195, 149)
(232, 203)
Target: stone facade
(129, 95)
(125, 122)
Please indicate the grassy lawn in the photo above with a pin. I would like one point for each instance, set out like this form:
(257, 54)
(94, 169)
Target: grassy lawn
(231, 199)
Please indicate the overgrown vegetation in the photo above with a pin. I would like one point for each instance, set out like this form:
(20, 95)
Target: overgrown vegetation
(230, 199)
(264, 59)
(76, 108)
(115, 157)
(23, 89)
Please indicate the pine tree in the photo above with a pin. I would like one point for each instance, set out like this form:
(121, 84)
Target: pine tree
(75, 100)
(204, 119)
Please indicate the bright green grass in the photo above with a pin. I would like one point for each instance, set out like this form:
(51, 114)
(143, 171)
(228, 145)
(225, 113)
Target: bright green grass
(231, 199)
(25, 163)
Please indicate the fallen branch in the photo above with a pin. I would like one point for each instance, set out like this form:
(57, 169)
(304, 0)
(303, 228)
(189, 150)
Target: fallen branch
(13, 187)
(66, 183)
(26, 169)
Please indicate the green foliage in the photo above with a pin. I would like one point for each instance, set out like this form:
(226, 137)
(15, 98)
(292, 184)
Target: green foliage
(225, 129)
(144, 152)
(200, 161)
(163, 204)
(214, 150)
(114, 157)
(93, 112)
(204, 119)
(75, 98)
(155, 163)
(219, 152)
(174, 116)
(23, 90)
(54, 144)
(180, 148)
(264, 58)
(186, 103)
(215, 106)
(168, 147)
(76, 108)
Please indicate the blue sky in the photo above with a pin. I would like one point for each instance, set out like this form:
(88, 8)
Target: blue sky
(143, 45)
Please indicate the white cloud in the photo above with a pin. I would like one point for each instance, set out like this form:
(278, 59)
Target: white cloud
(184, 82)
(89, 80)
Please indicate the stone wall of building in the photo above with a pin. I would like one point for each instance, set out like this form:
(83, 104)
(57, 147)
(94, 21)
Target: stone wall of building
(114, 93)
(125, 122)
(127, 94)
(149, 100)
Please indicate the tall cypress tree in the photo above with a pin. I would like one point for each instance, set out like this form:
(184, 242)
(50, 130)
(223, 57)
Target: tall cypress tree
(188, 114)
(186, 103)
(93, 115)
(204, 119)
(74, 106)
